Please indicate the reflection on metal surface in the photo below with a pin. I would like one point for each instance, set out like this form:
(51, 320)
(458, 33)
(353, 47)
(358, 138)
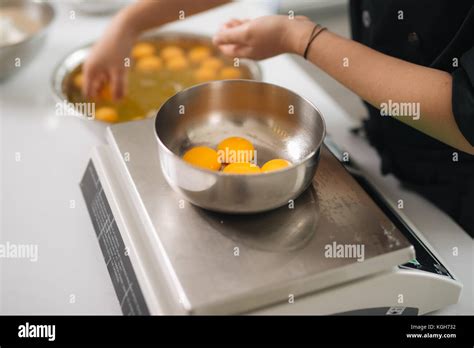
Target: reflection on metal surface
(256, 111)
(24, 25)
(278, 253)
(285, 229)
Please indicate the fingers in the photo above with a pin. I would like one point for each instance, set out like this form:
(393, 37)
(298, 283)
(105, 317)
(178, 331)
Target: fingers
(233, 23)
(117, 81)
(241, 51)
(228, 50)
(232, 38)
(87, 85)
(302, 18)
(230, 24)
(236, 34)
(93, 82)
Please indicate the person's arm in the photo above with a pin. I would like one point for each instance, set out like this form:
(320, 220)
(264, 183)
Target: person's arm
(375, 77)
(106, 61)
(148, 14)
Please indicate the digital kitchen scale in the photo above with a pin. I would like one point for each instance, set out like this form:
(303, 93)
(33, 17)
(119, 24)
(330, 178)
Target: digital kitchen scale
(337, 249)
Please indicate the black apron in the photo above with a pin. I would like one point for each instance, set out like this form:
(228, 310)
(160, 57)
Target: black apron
(429, 33)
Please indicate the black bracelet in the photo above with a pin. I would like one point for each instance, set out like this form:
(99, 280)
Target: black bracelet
(309, 40)
(313, 36)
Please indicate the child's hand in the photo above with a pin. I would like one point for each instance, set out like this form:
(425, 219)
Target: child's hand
(264, 37)
(106, 62)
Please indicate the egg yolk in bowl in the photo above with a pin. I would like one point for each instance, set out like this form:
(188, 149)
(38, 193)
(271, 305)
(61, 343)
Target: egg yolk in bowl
(275, 164)
(235, 149)
(242, 168)
(203, 157)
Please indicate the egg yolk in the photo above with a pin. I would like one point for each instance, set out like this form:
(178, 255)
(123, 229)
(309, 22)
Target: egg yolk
(213, 63)
(204, 74)
(170, 52)
(142, 49)
(275, 164)
(204, 157)
(149, 64)
(199, 53)
(78, 80)
(242, 168)
(106, 114)
(235, 149)
(177, 63)
(105, 93)
(230, 73)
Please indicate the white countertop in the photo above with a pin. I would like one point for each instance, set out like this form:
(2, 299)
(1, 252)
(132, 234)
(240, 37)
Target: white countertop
(70, 276)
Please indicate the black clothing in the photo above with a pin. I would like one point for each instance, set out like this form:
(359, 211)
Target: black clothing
(438, 34)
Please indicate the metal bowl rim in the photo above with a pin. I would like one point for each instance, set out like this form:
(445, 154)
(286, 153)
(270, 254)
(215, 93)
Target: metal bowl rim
(43, 28)
(220, 173)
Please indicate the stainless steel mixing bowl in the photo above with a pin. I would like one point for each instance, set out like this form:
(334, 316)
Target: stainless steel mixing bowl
(277, 121)
(69, 63)
(23, 13)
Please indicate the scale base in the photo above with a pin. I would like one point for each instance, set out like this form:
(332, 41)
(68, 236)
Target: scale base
(145, 286)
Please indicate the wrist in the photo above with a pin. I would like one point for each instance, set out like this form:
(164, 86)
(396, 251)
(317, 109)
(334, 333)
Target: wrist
(298, 35)
(125, 27)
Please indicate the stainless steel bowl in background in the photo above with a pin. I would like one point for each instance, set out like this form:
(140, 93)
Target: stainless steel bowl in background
(69, 63)
(99, 7)
(30, 17)
(277, 121)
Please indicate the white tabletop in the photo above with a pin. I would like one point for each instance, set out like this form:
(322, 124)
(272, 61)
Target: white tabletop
(41, 203)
